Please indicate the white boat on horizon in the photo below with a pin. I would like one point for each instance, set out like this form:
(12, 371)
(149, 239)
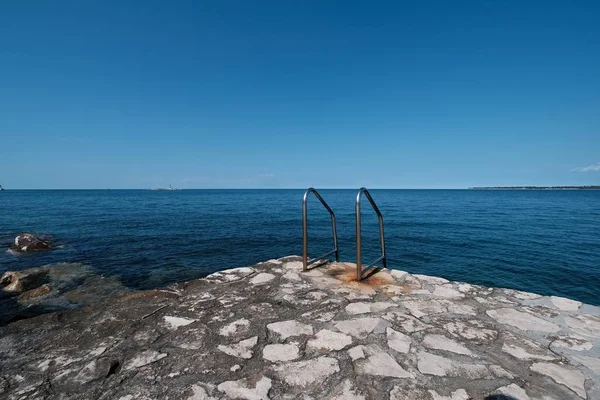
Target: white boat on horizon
(169, 188)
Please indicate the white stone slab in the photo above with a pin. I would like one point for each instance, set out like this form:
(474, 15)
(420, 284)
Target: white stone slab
(522, 320)
(568, 376)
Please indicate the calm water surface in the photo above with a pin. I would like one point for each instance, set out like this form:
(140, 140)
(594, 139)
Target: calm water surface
(540, 241)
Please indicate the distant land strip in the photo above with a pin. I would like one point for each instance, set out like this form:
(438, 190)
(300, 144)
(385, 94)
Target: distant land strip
(536, 188)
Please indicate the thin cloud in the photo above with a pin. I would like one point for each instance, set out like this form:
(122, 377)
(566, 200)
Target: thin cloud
(589, 168)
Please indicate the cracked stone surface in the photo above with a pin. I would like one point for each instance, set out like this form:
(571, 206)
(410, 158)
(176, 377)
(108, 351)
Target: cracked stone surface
(568, 376)
(522, 320)
(286, 329)
(281, 352)
(348, 391)
(565, 304)
(362, 307)
(398, 341)
(142, 359)
(242, 349)
(379, 362)
(327, 340)
(234, 327)
(272, 331)
(176, 322)
(441, 342)
(576, 343)
(237, 389)
(302, 374)
(360, 327)
(433, 364)
(262, 279)
(526, 349)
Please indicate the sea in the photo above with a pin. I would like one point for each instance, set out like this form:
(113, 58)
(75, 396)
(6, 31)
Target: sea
(545, 241)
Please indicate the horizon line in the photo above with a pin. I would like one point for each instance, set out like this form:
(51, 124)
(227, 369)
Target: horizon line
(319, 188)
(242, 188)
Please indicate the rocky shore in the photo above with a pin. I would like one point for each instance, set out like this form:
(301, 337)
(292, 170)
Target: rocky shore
(272, 331)
(61, 286)
(53, 287)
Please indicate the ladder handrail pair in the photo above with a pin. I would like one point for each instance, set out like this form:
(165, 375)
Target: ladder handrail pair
(359, 270)
(336, 250)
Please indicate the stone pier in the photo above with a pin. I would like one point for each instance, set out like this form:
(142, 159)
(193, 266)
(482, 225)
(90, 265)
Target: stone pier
(272, 331)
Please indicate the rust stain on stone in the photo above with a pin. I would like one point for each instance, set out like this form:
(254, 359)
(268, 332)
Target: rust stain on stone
(378, 279)
(346, 273)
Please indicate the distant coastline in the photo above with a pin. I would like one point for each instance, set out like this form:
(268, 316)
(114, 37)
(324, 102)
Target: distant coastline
(592, 187)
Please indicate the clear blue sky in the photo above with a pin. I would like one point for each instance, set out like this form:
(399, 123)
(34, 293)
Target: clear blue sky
(448, 94)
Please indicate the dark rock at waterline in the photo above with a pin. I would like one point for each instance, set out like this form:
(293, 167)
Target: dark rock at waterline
(53, 287)
(96, 288)
(36, 293)
(21, 281)
(29, 242)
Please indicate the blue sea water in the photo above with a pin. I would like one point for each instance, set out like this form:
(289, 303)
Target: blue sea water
(546, 242)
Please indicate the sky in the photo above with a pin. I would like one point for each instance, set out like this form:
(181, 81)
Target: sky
(292, 94)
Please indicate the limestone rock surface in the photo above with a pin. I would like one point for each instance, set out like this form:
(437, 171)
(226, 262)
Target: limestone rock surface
(272, 331)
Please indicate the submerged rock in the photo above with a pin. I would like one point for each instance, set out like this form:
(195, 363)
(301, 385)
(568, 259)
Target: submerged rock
(54, 287)
(35, 293)
(21, 281)
(28, 242)
(96, 288)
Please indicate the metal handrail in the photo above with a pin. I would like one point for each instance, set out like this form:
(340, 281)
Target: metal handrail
(359, 269)
(305, 261)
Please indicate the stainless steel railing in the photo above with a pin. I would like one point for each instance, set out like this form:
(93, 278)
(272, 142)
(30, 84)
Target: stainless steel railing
(305, 261)
(359, 269)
